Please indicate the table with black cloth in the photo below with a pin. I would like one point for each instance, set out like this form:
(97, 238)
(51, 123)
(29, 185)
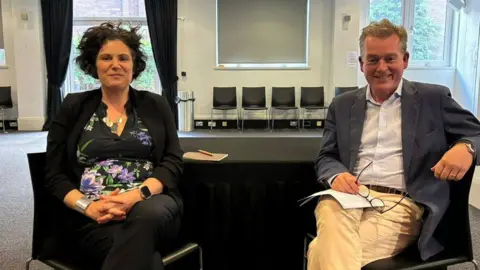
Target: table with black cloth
(244, 210)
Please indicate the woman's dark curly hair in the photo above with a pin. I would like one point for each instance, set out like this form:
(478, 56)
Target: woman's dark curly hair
(95, 37)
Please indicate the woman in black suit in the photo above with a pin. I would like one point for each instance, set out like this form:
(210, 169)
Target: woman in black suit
(113, 155)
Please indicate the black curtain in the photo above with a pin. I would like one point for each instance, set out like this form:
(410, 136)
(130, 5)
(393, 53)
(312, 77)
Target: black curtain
(162, 26)
(57, 18)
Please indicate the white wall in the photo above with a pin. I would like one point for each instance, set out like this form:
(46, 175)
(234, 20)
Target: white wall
(197, 37)
(346, 41)
(467, 56)
(25, 61)
(467, 77)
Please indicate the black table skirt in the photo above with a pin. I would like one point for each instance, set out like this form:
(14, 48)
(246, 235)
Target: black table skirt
(246, 215)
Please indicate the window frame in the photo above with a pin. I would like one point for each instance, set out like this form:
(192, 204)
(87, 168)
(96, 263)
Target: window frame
(263, 66)
(68, 85)
(408, 19)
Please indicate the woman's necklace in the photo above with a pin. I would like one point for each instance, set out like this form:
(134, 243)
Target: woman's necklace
(113, 125)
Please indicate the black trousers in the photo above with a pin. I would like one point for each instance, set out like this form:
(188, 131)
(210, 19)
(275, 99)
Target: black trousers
(135, 243)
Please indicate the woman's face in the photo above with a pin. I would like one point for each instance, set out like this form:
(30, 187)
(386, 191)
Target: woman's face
(115, 65)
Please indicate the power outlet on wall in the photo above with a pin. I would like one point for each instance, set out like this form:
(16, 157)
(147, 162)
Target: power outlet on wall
(212, 124)
(199, 124)
(293, 123)
(224, 123)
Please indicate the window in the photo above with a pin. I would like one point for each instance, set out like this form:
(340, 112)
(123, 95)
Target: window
(429, 25)
(262, 33)
(88, 13)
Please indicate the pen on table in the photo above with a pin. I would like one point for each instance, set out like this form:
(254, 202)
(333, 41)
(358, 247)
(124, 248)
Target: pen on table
(205, 153)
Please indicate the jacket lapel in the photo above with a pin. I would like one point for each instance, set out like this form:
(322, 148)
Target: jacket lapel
(84, 111)
(357, 118)
(144, 107)
(410, 109)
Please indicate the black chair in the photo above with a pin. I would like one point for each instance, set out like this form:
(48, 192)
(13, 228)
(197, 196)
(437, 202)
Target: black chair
(312, 99)
(224, 99)
(283, 99)
(453, 232)
(341, 90)
(253, 99)
(47, 244)
(5, 102)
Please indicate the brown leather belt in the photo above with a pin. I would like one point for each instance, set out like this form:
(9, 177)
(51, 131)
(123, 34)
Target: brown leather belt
(389, 190)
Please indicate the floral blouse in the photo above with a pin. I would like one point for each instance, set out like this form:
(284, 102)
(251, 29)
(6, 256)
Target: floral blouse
(111, 161)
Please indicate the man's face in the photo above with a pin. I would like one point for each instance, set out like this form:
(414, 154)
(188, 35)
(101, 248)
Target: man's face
(383, 63)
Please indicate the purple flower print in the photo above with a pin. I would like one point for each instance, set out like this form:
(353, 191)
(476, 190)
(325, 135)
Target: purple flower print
(143, 137)
(90, 184)
(89, 179)
(107, 162)
(126, 177)
(114, 170)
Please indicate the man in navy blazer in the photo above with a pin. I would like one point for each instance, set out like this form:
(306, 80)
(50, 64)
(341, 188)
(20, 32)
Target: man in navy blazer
(398, 141)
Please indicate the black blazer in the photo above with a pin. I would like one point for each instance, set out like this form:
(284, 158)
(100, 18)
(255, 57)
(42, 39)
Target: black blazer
(62, 169)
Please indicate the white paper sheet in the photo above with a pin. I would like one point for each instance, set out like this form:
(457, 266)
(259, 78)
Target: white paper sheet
(348, 201)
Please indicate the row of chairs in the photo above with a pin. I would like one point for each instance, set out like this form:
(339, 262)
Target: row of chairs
(283, 99)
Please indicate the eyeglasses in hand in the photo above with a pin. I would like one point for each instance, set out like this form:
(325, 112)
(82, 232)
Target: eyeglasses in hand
(376, 203)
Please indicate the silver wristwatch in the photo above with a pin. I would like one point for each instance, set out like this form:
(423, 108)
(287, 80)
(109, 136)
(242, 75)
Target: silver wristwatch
(470, 148)
(82, 205)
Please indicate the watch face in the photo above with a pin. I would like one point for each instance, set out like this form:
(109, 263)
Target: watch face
(145, 192)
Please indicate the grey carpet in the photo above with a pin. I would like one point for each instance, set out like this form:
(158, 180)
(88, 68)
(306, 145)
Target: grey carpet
(16, 207)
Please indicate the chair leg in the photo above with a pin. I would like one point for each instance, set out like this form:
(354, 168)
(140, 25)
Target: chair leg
(298, 118)
(238, 119)
(242, 113)
(27, 264)
(200, 257)
(272, 117)
(2, 112)
(267, 118)
(475, 264)
(302, 113)
(211, 120)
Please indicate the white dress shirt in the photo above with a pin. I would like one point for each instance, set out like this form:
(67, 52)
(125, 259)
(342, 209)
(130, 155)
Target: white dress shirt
(381, 143)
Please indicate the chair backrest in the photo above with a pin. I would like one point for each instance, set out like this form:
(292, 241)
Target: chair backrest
(6, 96)
(224, 96)
(47, 214)
(454, 228)
(283, 96)
(341, 90)
(253, 97)
(312, 96)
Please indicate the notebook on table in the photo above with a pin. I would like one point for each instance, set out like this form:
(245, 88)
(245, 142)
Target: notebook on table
(204, 157)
